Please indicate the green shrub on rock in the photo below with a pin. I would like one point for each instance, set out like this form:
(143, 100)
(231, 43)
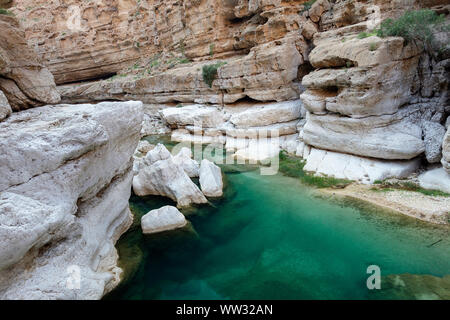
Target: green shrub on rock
(210, 72)
(419, 25)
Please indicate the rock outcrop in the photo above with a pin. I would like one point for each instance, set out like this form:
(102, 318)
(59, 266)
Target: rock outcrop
(5, 108)
(162, 219)
(158, 174)
(446, 152)
(211, 181)
(189, 165)
(435, 179)
(350, 167)
(24, 80)
(66, 181)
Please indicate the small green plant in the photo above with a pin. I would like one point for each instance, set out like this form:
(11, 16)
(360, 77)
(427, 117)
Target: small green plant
(184, 60)
(372, 46)
(419, 25)
(209, 72)
(307, 5)
(5, 12)
(293, 167)
(179, 105)
(211, 49)
(364, 35)
(386, 186)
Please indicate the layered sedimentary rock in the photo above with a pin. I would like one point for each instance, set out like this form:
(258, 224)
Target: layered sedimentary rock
(24, 80)
(87, 40)
(253, 131)
(374, 99)
(66, 179)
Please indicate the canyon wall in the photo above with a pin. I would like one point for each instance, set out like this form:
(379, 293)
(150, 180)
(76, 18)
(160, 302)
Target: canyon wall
(374, 99)
(66, 180)
(66, 175)
(24, 80)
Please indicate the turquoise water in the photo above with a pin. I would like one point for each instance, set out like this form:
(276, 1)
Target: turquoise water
(270, 238)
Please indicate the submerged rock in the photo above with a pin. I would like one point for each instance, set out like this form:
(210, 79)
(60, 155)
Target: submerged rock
(211, 179)
(436, 179)
(160, 175)
(162, 219)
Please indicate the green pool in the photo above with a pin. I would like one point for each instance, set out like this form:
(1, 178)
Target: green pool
(270, 238)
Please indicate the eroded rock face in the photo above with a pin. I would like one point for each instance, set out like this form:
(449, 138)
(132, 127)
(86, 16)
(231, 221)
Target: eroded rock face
(66, 178)
(162, 219)
(373, 97)
(87, 40)
(364, 170)
(5, 108)
(24, 80)
(446, 152)
(435, 179)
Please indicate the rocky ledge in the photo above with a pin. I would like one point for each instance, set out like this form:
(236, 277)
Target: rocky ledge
(66, 180)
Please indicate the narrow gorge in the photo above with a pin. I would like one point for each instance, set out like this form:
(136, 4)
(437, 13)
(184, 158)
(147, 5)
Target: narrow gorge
(147, 137)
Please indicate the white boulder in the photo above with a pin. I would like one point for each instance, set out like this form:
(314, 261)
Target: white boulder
(162, 219)
(160, 175)
(435, 179)
(392, 137)
(189, 165)
(364, 170)
(211, 179)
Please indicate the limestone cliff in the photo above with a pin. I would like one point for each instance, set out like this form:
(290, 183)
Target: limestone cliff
(24, 80)
(66, 180)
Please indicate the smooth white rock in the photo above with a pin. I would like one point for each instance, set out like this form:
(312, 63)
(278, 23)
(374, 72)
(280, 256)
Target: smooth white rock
(160, 175)
(350, 167)
(189, 165)
(259, 150)
(162, 219)
(436, 179)
(392, 137)
(198, 115)
(267, 114)
(182, 135)
(211, 179)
